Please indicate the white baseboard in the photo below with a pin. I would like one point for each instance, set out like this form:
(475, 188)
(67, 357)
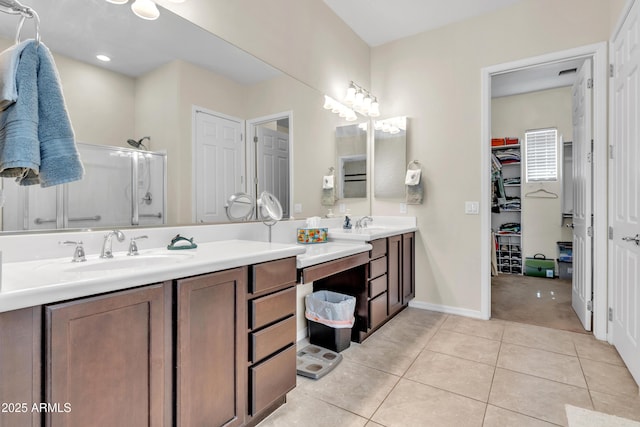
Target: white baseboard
(476, 314)
(301, 334)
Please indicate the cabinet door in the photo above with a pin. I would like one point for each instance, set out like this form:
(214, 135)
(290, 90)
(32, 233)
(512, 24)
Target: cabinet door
(394, 270)
(211, 349)
(408, 267)
(20, 366)
(107, 361)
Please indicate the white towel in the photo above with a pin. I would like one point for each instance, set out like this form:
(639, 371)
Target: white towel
(8, 66)
(327, 182)
(413, 177)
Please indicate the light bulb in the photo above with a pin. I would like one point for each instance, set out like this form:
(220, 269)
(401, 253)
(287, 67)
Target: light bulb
(145, 9)
(351, 95)
(328, 103)
(359, 100)
(374, 111)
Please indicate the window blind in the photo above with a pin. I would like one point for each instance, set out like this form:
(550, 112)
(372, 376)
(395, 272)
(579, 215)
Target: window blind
(541, 151)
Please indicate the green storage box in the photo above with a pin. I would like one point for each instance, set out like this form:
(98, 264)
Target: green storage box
(539, 266)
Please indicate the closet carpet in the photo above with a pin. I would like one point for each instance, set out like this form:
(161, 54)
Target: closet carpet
(535, 301)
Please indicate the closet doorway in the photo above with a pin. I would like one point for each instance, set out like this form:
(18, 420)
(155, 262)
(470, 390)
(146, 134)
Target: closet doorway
(527, 209)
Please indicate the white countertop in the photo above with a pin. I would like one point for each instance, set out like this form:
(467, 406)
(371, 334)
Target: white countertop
(322, 252)
(30, 283)
(370, 233)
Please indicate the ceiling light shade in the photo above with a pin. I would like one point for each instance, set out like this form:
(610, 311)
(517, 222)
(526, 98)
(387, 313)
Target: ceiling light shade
(366, 104)
(374, 110)
(145, 9)
(351, 95)
(328, 103)
(359, 100)
(351, 116)
(117, 1)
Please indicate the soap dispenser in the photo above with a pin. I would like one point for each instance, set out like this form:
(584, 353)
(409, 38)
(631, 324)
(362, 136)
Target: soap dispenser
(347, 223)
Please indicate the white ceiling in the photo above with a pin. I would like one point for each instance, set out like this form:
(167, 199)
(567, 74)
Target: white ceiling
(381, 21)
(80, 29)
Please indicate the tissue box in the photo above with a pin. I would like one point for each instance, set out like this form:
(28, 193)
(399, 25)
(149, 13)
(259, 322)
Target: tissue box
(312, 235)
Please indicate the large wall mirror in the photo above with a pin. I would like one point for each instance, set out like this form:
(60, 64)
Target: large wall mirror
(159, 71)
(390, 154)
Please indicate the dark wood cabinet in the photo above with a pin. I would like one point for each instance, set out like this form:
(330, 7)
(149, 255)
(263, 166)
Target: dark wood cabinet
(20, 367)
(211, 349)
(108, 360)
(408, 267)
(271, 361)
(394, 274)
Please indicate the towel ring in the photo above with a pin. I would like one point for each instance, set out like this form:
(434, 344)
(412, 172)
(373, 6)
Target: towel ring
(29, 13)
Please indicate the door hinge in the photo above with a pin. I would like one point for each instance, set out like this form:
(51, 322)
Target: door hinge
(590, 231)
(610, 233)
(611, 151)
(589, 305)
(255, 139)
(241, 137)
(610, 314)
(589, 83)
(255, 181)
(610, 70)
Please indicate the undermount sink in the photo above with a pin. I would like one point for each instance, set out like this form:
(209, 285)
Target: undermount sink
(119, 262)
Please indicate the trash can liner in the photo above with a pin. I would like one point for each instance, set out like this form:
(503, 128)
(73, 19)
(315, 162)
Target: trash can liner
(331, 309)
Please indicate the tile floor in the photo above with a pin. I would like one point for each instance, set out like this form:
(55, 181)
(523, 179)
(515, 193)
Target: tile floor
(431, 369)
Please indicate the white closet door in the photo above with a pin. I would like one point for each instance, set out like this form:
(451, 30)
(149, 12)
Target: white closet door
(219, 165)
(582, 284)
(273, 165)
(624, 194)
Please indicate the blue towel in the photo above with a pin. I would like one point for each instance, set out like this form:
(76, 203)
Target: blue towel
(8, 68)
(37, 144)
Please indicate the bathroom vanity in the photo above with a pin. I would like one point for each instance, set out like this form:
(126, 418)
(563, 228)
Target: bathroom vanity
(110, 356)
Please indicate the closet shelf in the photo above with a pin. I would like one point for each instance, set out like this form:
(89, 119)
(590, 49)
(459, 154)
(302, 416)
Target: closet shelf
(504, 147)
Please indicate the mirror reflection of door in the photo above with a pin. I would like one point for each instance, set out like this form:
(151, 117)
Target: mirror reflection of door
(272, 161)
(218, 159)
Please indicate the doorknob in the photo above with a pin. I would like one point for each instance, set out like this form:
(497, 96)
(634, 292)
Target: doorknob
(635, 239)
(569, 225)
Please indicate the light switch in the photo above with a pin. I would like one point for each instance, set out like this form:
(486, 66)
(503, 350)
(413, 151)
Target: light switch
(297, 208)
(471, 208)
(403, 208)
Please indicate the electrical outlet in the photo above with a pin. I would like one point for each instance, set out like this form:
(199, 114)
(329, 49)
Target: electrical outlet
(471, 208)
(297, 208)
(403, 208)
(342, 208)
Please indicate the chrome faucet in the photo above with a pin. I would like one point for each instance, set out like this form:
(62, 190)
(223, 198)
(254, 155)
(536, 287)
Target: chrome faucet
(106, 245)
(362, 222)
(78, 253)
(133, 246)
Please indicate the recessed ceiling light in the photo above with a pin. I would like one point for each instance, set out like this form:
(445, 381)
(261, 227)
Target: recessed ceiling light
(103, 58)
(118, 1)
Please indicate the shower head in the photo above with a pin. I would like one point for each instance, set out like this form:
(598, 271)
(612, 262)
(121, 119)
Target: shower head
(137, 144)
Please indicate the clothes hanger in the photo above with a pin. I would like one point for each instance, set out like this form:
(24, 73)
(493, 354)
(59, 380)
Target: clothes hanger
(546, 194)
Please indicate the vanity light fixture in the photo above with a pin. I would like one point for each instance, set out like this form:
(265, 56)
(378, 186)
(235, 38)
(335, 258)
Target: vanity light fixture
(145, 9)
(342, 110)
(362, 101)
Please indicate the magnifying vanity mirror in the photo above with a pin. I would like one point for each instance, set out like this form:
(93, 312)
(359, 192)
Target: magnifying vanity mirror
(351, 160)
(240, 207)
(390, 157)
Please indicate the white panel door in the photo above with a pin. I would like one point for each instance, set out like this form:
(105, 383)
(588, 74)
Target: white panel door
(624, 194)
(219, 165)
(273, 165)
(582, 286)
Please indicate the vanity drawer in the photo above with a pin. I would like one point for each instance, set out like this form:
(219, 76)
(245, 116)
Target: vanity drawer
(377, 310)
(272, 275)
(265, 310)
(272, 379)
(378, 267)
(269, 340)
(377, 286)
(379, 248)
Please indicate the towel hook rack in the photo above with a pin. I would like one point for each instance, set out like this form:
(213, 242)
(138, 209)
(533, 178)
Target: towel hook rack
(13, 7)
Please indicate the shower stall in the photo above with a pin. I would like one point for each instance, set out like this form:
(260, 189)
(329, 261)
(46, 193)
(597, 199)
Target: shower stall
(121, 187)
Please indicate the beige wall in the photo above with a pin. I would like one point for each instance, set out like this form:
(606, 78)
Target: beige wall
(435, 79)
(303, 38)
(512, 116)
